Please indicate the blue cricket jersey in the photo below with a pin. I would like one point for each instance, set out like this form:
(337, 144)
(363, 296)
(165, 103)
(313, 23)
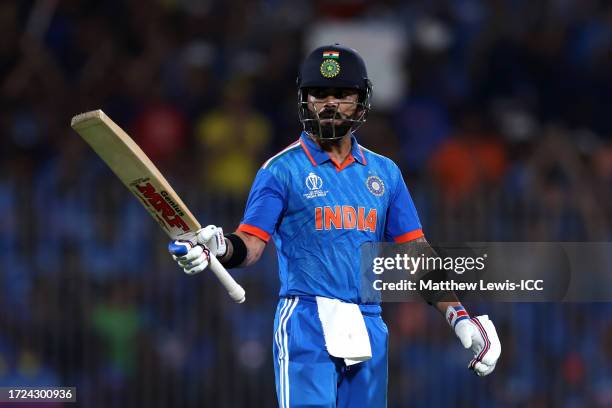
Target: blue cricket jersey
(320, 212)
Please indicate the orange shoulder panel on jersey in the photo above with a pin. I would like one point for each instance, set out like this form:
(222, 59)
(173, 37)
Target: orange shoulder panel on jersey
(409, 236)
(255, 231)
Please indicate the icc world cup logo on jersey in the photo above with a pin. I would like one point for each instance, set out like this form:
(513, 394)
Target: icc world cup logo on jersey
(314, 184)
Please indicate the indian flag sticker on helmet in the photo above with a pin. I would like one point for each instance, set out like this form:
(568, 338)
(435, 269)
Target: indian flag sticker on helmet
(331, 54)
(330, 68)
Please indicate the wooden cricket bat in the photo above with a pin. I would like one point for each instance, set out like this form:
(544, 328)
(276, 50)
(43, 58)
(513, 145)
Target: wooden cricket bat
(144, 180)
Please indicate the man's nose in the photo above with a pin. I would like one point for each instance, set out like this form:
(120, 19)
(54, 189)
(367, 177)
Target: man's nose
(331, 101)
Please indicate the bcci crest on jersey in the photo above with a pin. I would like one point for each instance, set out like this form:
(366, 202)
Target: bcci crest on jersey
(314, 184)
(375, 186)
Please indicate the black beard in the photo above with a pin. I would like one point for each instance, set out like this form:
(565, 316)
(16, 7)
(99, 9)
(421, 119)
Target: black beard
(330, 130)
(327, 132)
(327, 144)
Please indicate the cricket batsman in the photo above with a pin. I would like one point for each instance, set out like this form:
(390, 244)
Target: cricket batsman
(320, 199)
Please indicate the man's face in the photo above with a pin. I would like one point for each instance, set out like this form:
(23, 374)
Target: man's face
(332, 104)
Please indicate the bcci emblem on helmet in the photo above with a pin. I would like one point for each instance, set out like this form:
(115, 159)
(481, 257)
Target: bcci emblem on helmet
(330, 68)
(375, 186)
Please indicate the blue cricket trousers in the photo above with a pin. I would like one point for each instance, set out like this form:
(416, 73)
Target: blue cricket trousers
(307, 376)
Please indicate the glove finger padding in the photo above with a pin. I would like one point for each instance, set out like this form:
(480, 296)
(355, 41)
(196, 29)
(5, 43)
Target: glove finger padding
(482, 369)
(477, 334)
(212, 237)
(196, 269)
(195, 261)
(198, 261)
(485, 345)
(199, 264)
(205, 234)
(492, 356)
(192, 254)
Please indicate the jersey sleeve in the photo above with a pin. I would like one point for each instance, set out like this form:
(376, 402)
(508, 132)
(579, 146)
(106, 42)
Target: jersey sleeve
(403, 224)
(264, 206)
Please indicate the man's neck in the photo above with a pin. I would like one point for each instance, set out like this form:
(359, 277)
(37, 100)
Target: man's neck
(338, 150)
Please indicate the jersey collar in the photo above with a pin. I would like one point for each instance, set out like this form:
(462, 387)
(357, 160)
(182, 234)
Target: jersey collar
(317, 156)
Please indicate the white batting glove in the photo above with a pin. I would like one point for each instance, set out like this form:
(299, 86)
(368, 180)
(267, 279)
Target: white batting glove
(195, 258)
(477, 334)
(212, 237)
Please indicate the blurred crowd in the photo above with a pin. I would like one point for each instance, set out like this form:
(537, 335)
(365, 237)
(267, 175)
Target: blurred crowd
(502, 134)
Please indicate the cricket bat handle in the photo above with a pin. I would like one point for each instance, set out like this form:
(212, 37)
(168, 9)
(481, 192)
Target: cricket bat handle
(236, 292)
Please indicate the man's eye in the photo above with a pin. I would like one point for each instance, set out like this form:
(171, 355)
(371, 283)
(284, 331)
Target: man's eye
(319, 94)
(336, 93)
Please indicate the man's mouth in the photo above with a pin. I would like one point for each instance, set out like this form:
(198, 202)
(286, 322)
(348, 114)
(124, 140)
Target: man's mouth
(328, 116)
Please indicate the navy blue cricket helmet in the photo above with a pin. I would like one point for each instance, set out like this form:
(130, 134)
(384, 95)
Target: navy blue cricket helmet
(339, 67)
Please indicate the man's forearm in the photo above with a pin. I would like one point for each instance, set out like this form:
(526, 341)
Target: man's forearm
(443, 306)
(440, 299)
(254, 248)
